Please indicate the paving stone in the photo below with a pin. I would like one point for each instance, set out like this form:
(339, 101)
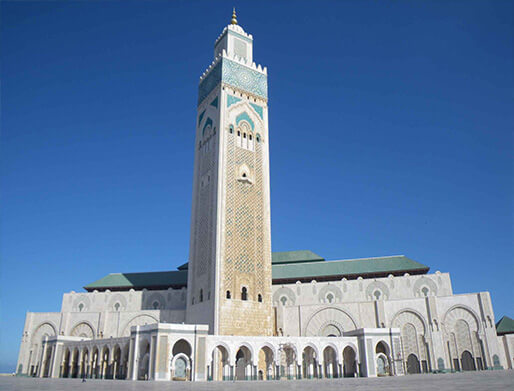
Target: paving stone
(469, 381)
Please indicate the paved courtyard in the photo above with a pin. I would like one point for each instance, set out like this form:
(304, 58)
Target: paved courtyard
(494, 380)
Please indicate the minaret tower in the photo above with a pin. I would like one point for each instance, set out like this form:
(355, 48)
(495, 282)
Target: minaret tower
(229, 278)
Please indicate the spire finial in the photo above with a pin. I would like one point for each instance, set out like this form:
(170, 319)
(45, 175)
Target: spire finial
(234, 17)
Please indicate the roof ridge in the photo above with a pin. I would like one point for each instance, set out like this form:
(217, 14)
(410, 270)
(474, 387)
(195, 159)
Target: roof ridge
(347, 260)
(293, 251)
(364, 259)
(161, 271)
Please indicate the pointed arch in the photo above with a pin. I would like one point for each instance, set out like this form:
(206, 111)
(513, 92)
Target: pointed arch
(138, 320)
(83, 329)
(341, 319)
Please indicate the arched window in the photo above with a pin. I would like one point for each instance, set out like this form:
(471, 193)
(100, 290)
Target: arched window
(258, 138)
(156, 305)
(244, 135)
(238, 133)
(228, 294)
(117, 306)
(250, 137)
(201, 295)
(81, 307)
(425, 291)
(259, 298)
(244, 293)
(231, 129)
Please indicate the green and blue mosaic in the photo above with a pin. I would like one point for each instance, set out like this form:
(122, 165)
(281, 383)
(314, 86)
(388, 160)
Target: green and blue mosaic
(245, 117)
(232, 99)
(236, 75)
(258, 109)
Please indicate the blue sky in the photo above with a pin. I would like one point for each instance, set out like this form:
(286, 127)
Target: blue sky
(391, 132)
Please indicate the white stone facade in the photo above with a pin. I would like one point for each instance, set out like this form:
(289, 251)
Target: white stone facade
(437, 329)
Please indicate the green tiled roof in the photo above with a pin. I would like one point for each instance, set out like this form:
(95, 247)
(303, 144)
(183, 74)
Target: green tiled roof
(284, 257)
(288, 266)
(505, 326)
(350, 268)
(295, 257)
(154, 280)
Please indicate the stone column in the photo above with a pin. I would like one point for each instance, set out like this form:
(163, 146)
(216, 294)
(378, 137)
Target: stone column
(62, 366)
(92, 369)
(55, 360)
(130, 364)
(225, 371)
(151, 368)
(135, 360)
(70, 365)
(110, 368)
(43, 364)
(81, 366)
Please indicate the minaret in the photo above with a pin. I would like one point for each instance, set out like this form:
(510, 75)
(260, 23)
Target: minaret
(229, 278)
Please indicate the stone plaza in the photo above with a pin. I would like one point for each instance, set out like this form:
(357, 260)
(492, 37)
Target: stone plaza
(466, 381)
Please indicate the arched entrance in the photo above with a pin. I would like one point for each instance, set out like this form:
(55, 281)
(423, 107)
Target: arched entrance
(124, 361)
(38, 337)
(104, 374)
(84, 363)
(330, 362)
(65, 370)
(288, 363)
(413, 364)
(349, 362)
(95, 363)
(74, 363)
(467, 362)
(116, 362)
(181, 360)
(243, 364)
(47, 362)
(144, 360)
(265, 364)
(220, 365)
(382, 360)
(310, 363)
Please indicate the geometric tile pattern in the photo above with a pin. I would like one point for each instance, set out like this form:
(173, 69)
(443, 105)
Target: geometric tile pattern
(236, 75)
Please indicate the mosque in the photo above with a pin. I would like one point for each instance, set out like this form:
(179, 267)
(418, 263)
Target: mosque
(237, 311)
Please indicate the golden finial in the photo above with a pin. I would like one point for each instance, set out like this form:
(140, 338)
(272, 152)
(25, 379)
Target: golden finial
(234, 17)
